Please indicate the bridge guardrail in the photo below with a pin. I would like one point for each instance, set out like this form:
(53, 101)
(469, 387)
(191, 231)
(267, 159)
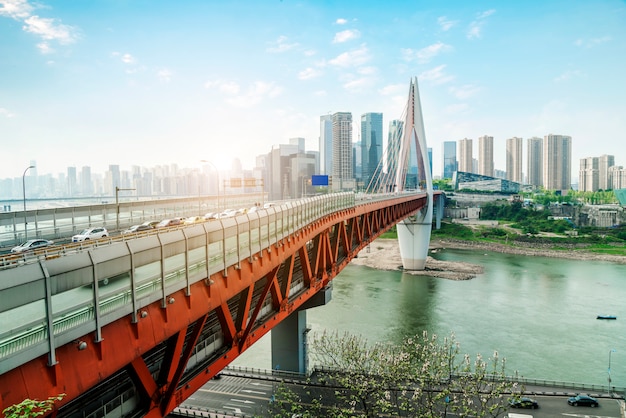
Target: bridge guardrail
(22, 284)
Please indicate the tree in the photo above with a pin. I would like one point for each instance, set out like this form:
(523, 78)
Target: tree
(31, 407)
(422, 376)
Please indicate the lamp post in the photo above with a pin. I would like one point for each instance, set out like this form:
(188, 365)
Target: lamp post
(217, 177)
(609, 370)
(24, 194)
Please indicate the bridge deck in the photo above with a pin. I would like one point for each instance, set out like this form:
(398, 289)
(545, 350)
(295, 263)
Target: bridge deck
(212, 289)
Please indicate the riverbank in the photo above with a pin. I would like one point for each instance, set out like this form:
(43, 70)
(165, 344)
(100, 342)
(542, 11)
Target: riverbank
(384, 254)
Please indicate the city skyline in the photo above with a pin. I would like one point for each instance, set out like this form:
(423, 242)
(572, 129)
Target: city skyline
(160, 83)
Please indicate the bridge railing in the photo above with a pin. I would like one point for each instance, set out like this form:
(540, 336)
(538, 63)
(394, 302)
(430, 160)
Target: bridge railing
(78, 289)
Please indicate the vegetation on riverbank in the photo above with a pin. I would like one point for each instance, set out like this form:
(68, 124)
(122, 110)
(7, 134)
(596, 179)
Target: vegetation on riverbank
(608, 242)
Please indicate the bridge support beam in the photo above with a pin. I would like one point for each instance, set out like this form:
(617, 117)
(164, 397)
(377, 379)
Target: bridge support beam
(289, 337)
(414, 237)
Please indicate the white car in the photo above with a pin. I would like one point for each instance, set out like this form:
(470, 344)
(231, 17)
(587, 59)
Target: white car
(31, 245)
(91, 233)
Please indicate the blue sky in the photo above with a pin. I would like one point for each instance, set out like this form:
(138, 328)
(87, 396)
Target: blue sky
(158, 82)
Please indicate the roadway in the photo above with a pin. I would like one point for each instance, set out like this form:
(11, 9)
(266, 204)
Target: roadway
(248, 393)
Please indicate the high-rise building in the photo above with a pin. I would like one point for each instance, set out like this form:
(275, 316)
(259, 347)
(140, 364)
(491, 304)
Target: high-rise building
(514, 148)
(393, 145)
(326, 144)
(618, 177)
(449, 159)
(86, 182)
(557, 162)
(485, 155)
(588, 174)
(594, 173)
(465, 155)
(534, 161)
(71, 182)
(343, 177)
(604, 163)
(371, 145)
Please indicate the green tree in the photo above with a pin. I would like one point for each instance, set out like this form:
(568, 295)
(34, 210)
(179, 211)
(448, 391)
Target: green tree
(31, 407)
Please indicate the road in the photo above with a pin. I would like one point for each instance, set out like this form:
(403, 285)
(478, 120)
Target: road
(238, 395)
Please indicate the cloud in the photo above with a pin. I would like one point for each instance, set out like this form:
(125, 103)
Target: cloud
(281, 45)
(128, 59)
(436, 75)
(568, 75)
(476, 26)
(15, 9)
(426, 54)
(6, 113)
(590, 43)
(392, 89)
(228, 87)
(352, 58)
(256, 92)
(47, 29)
(464, 92)
(358, 84)
(164, 75)
(309, 73)
(446, 24)
(341, 21)
(346, 35)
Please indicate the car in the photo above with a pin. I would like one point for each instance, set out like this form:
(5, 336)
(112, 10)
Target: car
(31, 245)
(91, 233)
(168, 222)
(523, 403)
(151, 224)
(193, 220)
(210, 215)
(583, 400)
(137, 228)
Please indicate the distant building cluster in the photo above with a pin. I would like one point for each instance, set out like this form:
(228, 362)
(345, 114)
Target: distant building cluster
(548, 163)
(349, 163)
(601, 173)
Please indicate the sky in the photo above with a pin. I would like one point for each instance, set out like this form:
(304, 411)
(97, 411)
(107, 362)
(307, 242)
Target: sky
(137, 82)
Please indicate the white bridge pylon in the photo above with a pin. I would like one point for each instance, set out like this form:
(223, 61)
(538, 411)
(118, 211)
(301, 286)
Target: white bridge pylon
(414, 231)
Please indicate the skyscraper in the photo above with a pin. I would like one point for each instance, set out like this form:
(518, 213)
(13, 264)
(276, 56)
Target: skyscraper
(485, 155)
(604, 163)
(343, 177)
(393, 145)
(514, 148)
(557, 162)
(465, 155)
(534, 161)
(449, 159)
(326, 144)
(588, 174)
(371, 145)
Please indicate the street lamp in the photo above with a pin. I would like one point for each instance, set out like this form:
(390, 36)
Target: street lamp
(610, 351)
(24, 193)
(217, 176)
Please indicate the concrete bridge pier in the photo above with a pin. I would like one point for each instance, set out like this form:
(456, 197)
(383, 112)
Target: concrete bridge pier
(289, 337)
(414, 237)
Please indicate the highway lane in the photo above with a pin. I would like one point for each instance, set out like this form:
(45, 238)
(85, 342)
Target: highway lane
(249, 395)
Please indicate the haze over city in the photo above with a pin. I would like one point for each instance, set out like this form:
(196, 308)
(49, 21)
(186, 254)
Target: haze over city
(148, 83)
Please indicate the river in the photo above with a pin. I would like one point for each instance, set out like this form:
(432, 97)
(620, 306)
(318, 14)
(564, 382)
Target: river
(539, 313)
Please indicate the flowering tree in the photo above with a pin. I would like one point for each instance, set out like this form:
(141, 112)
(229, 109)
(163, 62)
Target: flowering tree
(421, 377)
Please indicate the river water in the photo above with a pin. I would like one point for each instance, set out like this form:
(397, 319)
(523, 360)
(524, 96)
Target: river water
(539, 313)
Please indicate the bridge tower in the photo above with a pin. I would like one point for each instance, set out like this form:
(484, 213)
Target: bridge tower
(414, 231)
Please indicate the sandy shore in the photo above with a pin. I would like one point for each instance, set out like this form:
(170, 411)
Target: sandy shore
(384, 254)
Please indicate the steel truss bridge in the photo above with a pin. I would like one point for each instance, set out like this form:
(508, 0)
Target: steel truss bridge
(132, 326)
